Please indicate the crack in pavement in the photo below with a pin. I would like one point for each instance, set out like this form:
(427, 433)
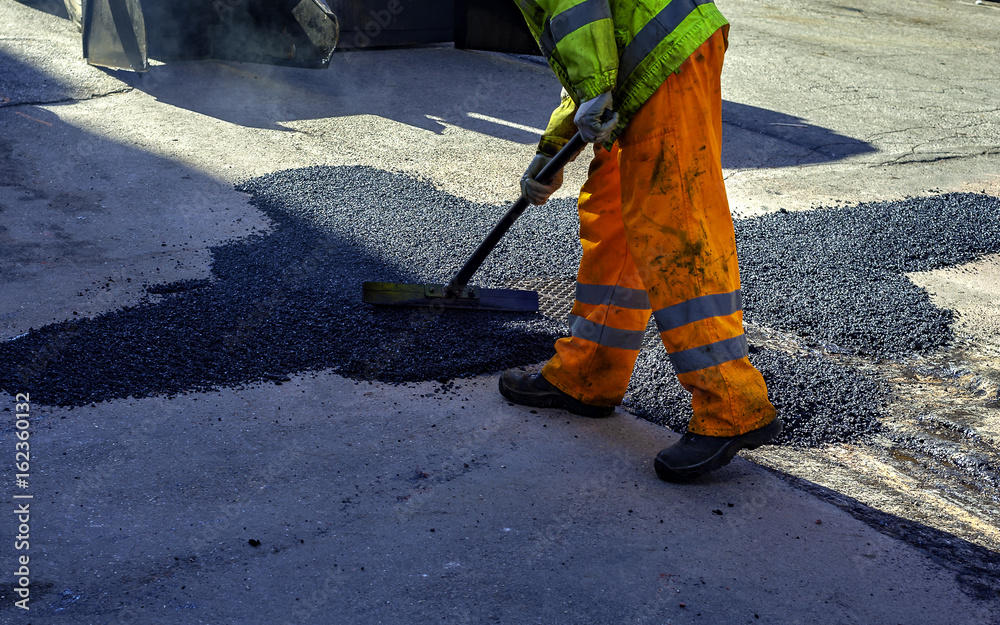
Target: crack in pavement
(94, 96)
(904, 160)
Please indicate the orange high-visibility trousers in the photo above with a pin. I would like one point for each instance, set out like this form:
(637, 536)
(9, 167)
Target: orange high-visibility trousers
(658, 239)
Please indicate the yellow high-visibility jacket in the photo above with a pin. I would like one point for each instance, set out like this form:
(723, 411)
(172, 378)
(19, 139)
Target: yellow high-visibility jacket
(628, 47)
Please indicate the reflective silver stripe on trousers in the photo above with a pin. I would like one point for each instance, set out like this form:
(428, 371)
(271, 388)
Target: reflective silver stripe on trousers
(620, 296)
(711, 355)
(655, 31)
(603, 335)
(573, 19)
(698, 308)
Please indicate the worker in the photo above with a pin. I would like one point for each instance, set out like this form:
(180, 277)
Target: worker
(641, 81)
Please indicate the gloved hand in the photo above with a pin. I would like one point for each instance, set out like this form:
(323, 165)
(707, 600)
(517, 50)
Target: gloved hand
(536, 192)
(589, 116)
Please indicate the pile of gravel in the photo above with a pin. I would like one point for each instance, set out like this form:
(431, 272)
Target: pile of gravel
(413, 232)
(836, 275)
(819, 401)
(289, 300)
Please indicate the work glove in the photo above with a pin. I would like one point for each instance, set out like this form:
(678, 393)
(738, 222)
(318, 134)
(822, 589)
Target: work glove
(590, 120)
(536, 192)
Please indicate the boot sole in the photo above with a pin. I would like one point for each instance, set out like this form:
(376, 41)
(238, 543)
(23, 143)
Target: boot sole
(566, 403)
(750, 440)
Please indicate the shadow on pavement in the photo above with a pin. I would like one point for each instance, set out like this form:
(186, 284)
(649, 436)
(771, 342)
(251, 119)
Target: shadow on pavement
(278, 303)
(23, 83)
(52, 7)
(428, 88)
(386, 83)
(976, 568)
(815, 144)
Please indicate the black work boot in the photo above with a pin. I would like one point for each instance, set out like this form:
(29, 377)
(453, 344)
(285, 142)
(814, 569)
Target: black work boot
(531, 389)
(696, 454)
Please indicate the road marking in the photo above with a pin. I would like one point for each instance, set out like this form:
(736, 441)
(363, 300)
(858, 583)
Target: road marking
(504, 122)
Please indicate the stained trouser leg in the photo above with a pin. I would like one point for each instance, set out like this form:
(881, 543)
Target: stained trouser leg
(680, 232)
(611, 310)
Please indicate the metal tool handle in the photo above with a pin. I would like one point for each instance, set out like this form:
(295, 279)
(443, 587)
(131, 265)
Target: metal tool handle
(552, 168)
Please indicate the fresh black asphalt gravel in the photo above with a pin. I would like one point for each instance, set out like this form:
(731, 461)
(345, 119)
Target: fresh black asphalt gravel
(837, 275)
(288, 300)
(818, 400)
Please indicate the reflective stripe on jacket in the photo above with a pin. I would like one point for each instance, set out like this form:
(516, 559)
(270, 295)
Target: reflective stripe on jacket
(628, 47)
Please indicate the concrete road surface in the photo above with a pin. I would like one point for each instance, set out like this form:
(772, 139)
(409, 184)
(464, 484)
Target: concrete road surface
(307, 497)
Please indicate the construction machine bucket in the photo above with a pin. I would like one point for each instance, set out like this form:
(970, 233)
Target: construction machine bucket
(296, 33)
(114, 34)
(123, 34)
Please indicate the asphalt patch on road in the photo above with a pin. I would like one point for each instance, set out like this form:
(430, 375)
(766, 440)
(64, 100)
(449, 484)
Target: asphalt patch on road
(819, 400)
(288, 301)
(836, 276)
